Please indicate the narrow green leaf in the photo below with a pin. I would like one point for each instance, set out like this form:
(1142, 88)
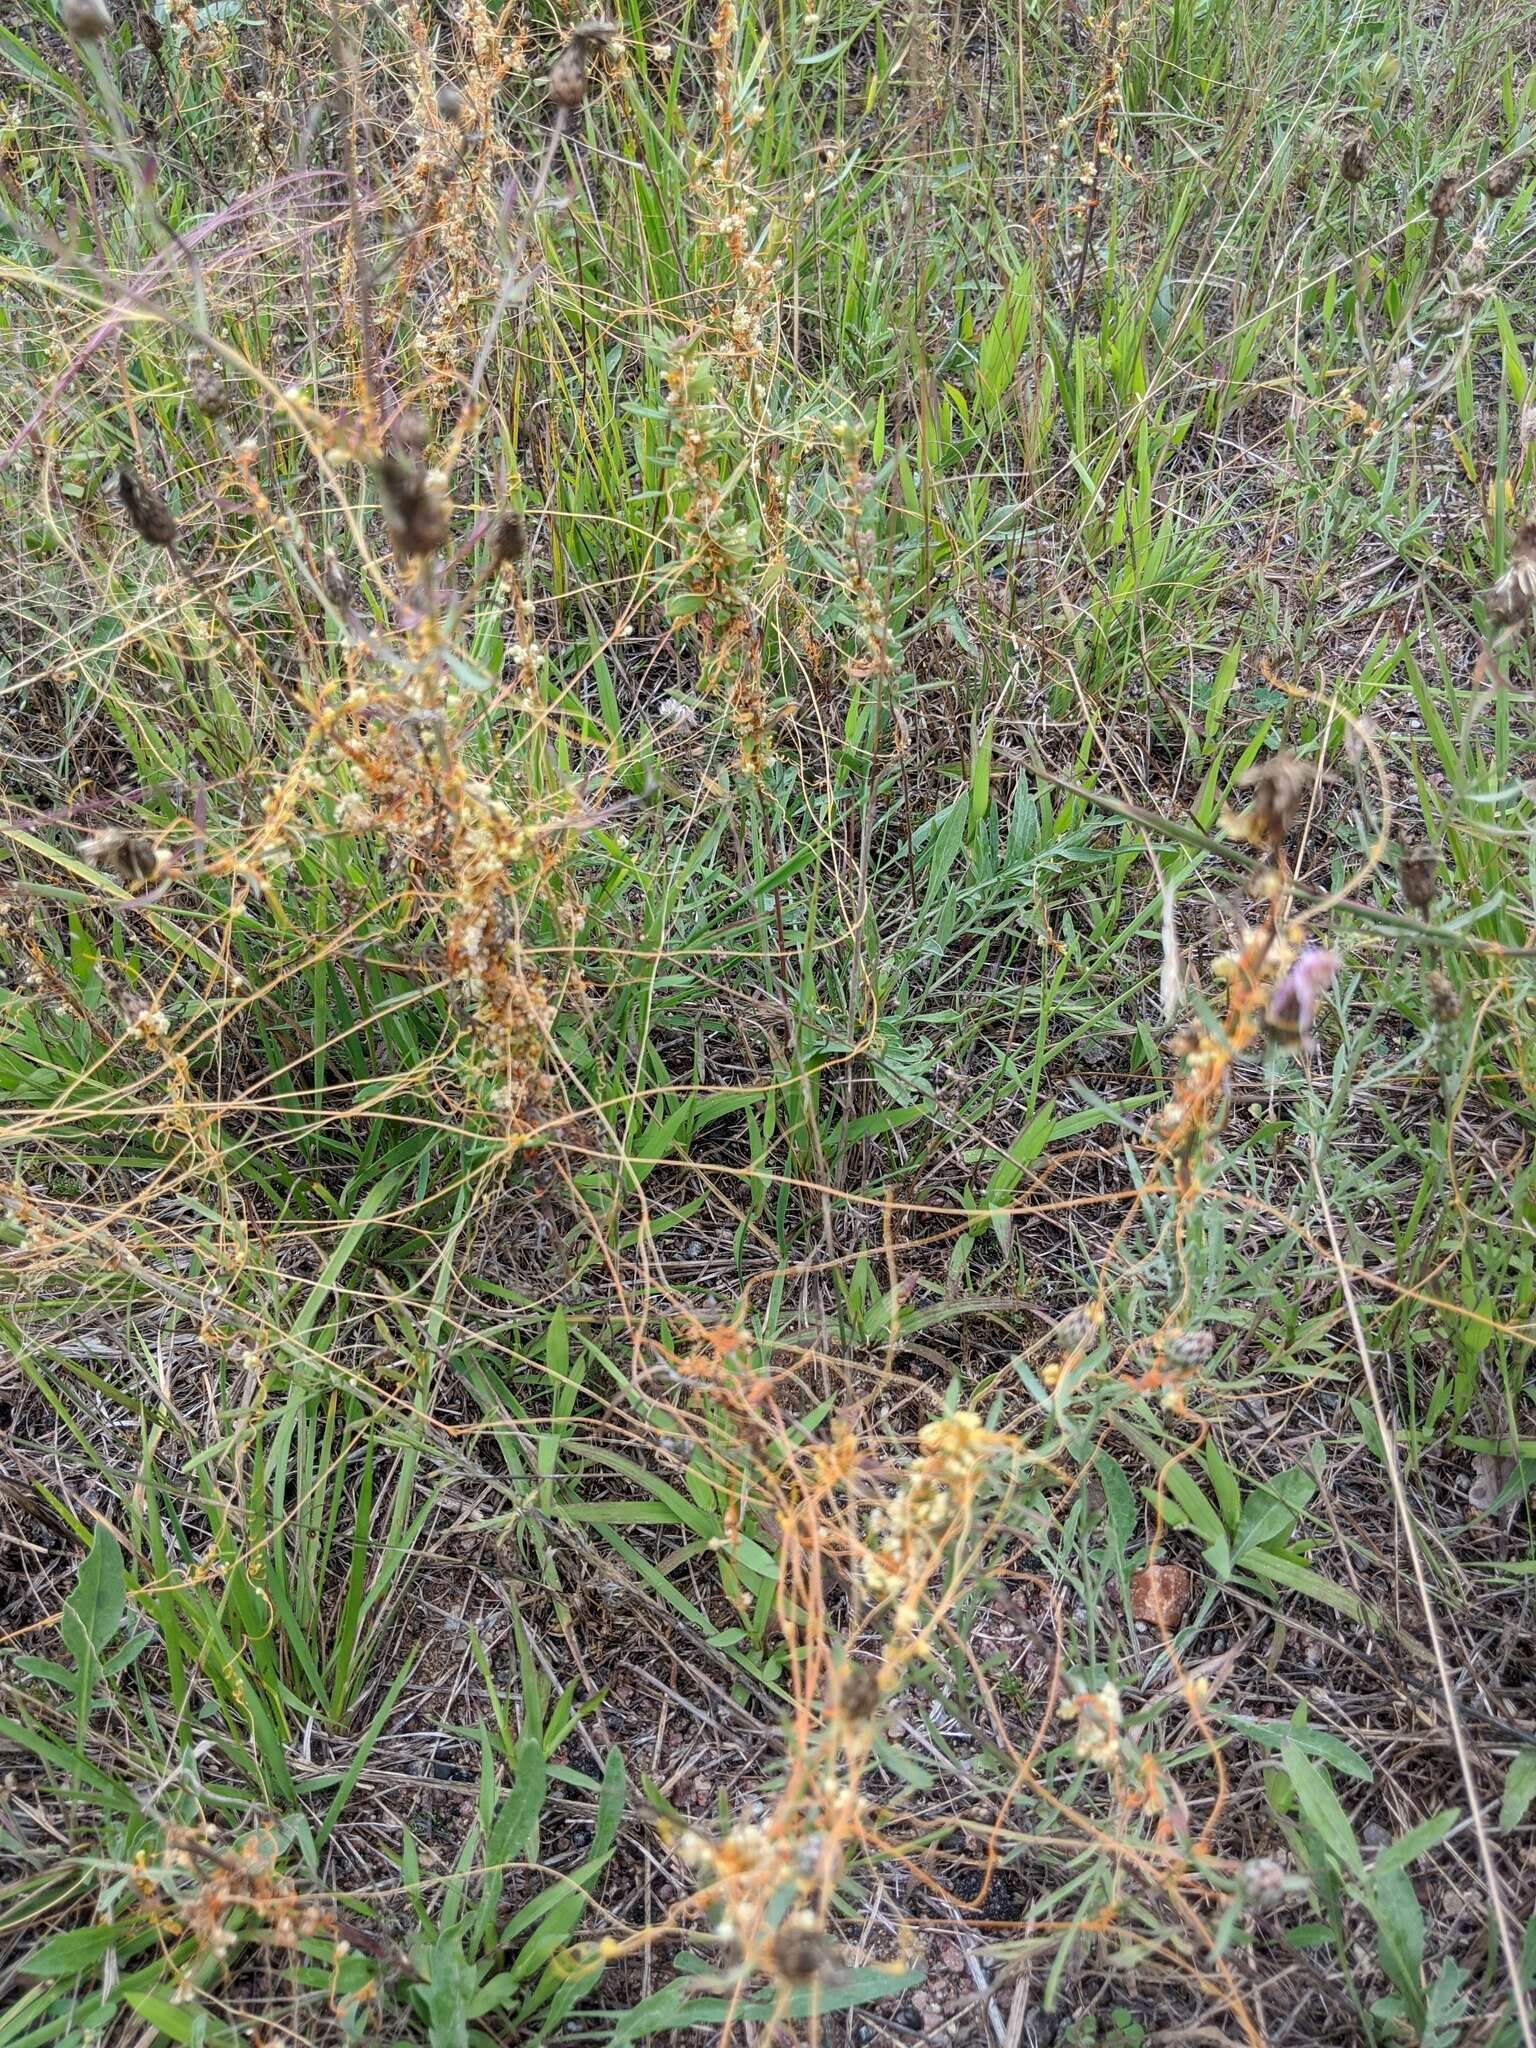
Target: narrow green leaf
(1399, 1933)
(1321, 1810)
(1519, 1788)
(67, 1954)
(1419, 1839)
(100, 1594)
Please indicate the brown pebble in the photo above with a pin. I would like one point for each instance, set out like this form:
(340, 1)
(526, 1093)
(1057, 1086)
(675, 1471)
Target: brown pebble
(1160, 1594)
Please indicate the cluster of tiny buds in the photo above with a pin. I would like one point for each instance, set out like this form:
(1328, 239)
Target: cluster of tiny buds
(526, 653)
(150, 1023)
(353, 812)
(902, 1534)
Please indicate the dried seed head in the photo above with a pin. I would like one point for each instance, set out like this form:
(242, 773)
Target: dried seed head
(1355, 159)
(568, 75)
(333, 581)
(509, 540)
(451, 103)
(1264, 1884)
(1416, 871)
(1442, 200)
(1513, 597)
(1076, 1330)
(1503, 178)
(1188, 1350)
(1474, 262)
(1441, 1000)
(413, 430)
(148, 514)
(1278, 785)
(86, 21)
(800, 1951)
(415, 507)
(206, 389)
(128, 856)
(860, 1694)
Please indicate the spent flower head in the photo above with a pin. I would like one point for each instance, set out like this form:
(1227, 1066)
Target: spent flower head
(1296, 995)
(1098, 1718)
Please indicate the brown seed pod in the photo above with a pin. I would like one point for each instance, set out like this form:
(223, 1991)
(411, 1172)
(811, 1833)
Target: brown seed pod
(1443, 1003)
(1076, 1330)
(1416, 871)
(1278, 785)
(1512, 599)
(415, 514)
(206, 389)
(509, 540)
(333, 581)
(127, 856)
(568, 75)
(85, 21)
(1188, 1350)
(1504, 178)
(148, 514)
(1442, 200)
(860, 1694)
(1355, 159)
(799, 1952)
(413, 430)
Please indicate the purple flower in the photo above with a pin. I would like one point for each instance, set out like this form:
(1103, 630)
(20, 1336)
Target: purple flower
(1293, 1001)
